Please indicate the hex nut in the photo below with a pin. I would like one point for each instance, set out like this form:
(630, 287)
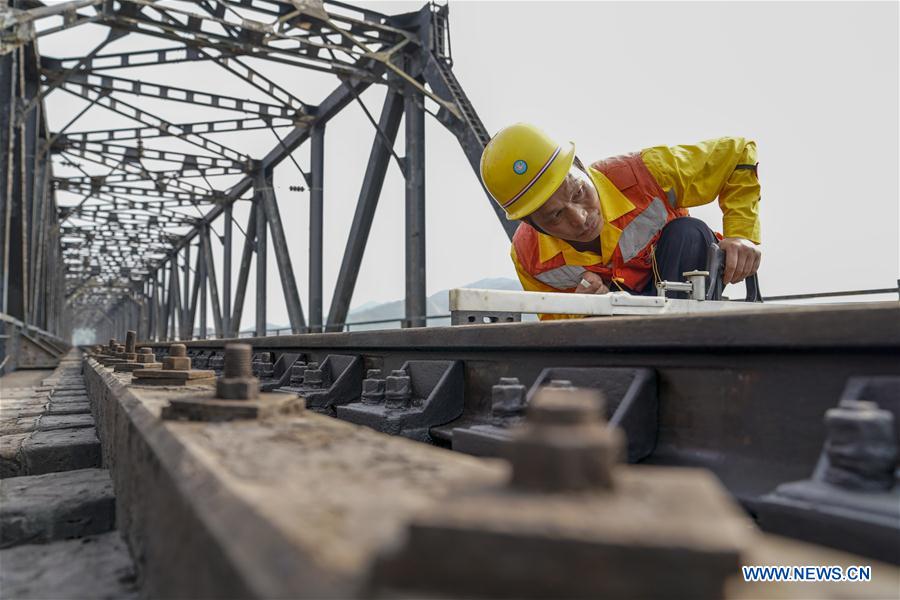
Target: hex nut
(237, 388)
(176, 363)
(507, 398)
(861, 446)
(297, 373)
(145, 355)
(216, 362)
(565, 444)
(373, 390)
(236, 382)
(264, 369)
(567, 406)
(313, 378)
(398, 389)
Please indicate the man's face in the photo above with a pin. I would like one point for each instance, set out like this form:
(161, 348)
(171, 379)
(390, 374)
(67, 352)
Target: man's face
(573, 211)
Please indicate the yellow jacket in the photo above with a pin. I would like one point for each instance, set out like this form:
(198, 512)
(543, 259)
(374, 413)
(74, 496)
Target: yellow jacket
(715, 168)
(691, 175)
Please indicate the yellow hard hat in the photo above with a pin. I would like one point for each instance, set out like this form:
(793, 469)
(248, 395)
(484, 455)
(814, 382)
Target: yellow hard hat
(521, 167)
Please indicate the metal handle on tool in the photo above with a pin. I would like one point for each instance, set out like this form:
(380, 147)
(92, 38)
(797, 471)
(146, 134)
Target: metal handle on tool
(715, 264)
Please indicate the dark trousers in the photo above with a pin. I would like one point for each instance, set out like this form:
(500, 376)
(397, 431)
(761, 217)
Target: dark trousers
(682, 246)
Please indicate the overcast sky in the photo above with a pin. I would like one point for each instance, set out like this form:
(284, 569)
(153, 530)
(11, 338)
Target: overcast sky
(815, 84)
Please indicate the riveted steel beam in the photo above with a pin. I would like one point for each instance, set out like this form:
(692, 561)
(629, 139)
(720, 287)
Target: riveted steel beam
(129, 201)
(316, 226)
(266, 195)
(414, 117)
(243, 272)
(177, 94)
(379, 157)
(212, 282)
(118, 60)
(262, 254)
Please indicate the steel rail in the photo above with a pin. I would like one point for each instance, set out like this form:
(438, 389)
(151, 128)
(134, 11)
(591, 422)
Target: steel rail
(740, 393)
(811, 296)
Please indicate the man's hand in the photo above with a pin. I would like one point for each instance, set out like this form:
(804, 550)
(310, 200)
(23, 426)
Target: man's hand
(595, 284)
(741, 259)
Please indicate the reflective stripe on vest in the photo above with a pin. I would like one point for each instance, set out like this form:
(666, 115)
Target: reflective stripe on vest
(564, 277)
(638, 233)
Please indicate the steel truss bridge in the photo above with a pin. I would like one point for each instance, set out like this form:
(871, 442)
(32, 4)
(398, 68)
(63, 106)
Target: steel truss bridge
(115, 229)
(309, 490)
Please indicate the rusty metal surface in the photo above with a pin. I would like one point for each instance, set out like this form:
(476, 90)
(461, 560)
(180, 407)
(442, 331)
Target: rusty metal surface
(293, 506)
(308, 506)
(744, 395)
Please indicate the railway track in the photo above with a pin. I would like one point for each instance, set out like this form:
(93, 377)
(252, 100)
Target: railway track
(743, 394)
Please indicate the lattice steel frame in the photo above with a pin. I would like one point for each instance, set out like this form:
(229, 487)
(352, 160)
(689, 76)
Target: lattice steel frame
(126, 260)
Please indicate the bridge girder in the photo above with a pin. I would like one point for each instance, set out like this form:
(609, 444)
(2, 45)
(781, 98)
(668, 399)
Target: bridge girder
(125, 232)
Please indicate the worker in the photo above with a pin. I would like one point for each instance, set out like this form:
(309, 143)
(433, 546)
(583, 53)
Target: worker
(621, 223)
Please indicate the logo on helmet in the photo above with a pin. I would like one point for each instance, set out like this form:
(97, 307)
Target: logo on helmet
(520, 166)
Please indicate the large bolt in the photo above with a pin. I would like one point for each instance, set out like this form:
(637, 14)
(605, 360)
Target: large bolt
(263, 366)
(565, 444)
(507, 400)
(398, 389)
(297, 373)
(237, 361)
(216, 361)
(130, 341)
(177, 360)
(566, 406)
(130, 354)
(861, 446)
(145, 355)
(313, 376)
(373, 387)
(236, 382)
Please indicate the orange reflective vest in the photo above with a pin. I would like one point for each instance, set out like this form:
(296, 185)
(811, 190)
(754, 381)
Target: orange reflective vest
(630, 263)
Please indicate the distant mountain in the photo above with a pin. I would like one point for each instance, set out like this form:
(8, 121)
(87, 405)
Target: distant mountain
(436, 304)
(272, 328)
(392, 313)
(364, 306)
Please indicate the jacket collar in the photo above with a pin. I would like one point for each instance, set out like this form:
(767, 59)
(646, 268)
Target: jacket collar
(613, 204)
